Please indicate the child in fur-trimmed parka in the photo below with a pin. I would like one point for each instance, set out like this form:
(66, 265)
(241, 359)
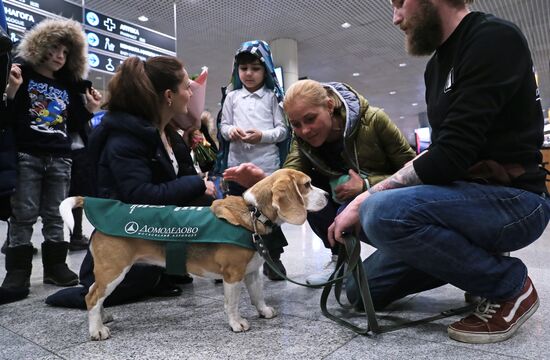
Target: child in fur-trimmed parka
(45, 102)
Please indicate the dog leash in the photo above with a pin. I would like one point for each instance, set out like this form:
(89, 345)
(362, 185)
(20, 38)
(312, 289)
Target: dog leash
(364, 292)
(259, 243)
(349, 262)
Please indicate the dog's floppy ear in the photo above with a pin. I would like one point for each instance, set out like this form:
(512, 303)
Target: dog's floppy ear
(230, 209)
(288, 201)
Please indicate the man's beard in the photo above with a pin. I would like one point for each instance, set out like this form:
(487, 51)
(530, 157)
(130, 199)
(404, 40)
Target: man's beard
(425, 30)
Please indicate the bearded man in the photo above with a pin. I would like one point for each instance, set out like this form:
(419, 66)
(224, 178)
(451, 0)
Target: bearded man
(479, 189)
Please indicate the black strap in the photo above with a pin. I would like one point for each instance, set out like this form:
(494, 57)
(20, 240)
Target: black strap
(361, 280)
(349, 262)
(352, 263)
(363, 287)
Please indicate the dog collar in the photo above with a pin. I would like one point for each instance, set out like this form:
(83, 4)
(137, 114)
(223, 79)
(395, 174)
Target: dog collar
(257, 215)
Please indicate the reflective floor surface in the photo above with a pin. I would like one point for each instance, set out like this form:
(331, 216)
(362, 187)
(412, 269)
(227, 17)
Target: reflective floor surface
(193, 325)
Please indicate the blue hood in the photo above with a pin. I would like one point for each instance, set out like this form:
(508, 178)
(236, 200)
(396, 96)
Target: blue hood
(262, 51)
(352, 104)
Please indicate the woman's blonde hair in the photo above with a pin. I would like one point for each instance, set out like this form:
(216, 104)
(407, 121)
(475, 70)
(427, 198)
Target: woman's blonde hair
(311, 91)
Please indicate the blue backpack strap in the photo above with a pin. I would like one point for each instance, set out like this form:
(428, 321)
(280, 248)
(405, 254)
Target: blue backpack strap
(223, 151)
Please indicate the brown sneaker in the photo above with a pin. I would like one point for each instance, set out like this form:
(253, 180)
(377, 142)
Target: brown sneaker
(493, 322)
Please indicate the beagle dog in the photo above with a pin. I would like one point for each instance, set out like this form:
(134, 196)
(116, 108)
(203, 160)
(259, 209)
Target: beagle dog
(285, 196)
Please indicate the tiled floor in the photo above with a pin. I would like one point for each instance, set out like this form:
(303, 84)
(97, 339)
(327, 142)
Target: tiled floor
(193, 326)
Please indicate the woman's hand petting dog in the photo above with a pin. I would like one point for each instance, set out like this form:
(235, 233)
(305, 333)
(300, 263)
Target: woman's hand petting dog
(246, 174)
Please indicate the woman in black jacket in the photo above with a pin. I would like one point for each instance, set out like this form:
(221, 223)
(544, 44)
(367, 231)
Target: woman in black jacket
(141, 159)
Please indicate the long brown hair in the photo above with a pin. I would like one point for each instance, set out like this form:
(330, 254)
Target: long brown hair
(138, 86)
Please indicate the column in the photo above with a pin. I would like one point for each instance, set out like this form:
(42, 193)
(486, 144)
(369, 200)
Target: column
(285, 54)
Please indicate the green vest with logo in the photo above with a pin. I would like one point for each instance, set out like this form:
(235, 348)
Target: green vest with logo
(176, 226)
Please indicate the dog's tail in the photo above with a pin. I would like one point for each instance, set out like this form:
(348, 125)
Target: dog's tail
(66, 207)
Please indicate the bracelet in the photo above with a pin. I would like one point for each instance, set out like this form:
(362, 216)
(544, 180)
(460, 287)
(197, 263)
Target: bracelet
(366, 185)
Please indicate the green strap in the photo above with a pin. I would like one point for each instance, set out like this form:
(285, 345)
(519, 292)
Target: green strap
(349, 262)
(334, 278)
(176, 258)
(360, 277)
(351, 246)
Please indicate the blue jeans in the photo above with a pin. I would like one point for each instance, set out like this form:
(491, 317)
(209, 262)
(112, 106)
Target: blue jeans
(42, 183)
(428, 235)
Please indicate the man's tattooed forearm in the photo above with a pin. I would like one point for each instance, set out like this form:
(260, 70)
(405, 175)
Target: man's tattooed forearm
(404, 177)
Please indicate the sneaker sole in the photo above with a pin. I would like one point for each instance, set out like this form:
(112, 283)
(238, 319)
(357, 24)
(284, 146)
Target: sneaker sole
(485, 338)
(317, 280)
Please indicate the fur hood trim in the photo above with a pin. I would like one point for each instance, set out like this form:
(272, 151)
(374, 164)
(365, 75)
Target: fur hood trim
(36, 42)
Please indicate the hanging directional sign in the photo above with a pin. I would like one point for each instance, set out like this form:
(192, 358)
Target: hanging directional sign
(111, 44)
(110, 40)
(103, 62)
(62, 8)
(23, 14)
(125, 30)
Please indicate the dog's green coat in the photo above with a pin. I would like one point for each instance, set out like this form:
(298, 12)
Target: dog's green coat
(174, 225)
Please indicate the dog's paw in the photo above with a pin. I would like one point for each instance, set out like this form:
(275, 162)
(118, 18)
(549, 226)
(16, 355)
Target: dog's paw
(103, 333)
(239, 325)
(267, 312)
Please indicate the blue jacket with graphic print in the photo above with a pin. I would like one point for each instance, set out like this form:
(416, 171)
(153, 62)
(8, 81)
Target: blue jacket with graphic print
(43, 113)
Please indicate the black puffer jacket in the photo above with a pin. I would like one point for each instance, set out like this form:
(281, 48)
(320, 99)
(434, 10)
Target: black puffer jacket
(133, 166)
